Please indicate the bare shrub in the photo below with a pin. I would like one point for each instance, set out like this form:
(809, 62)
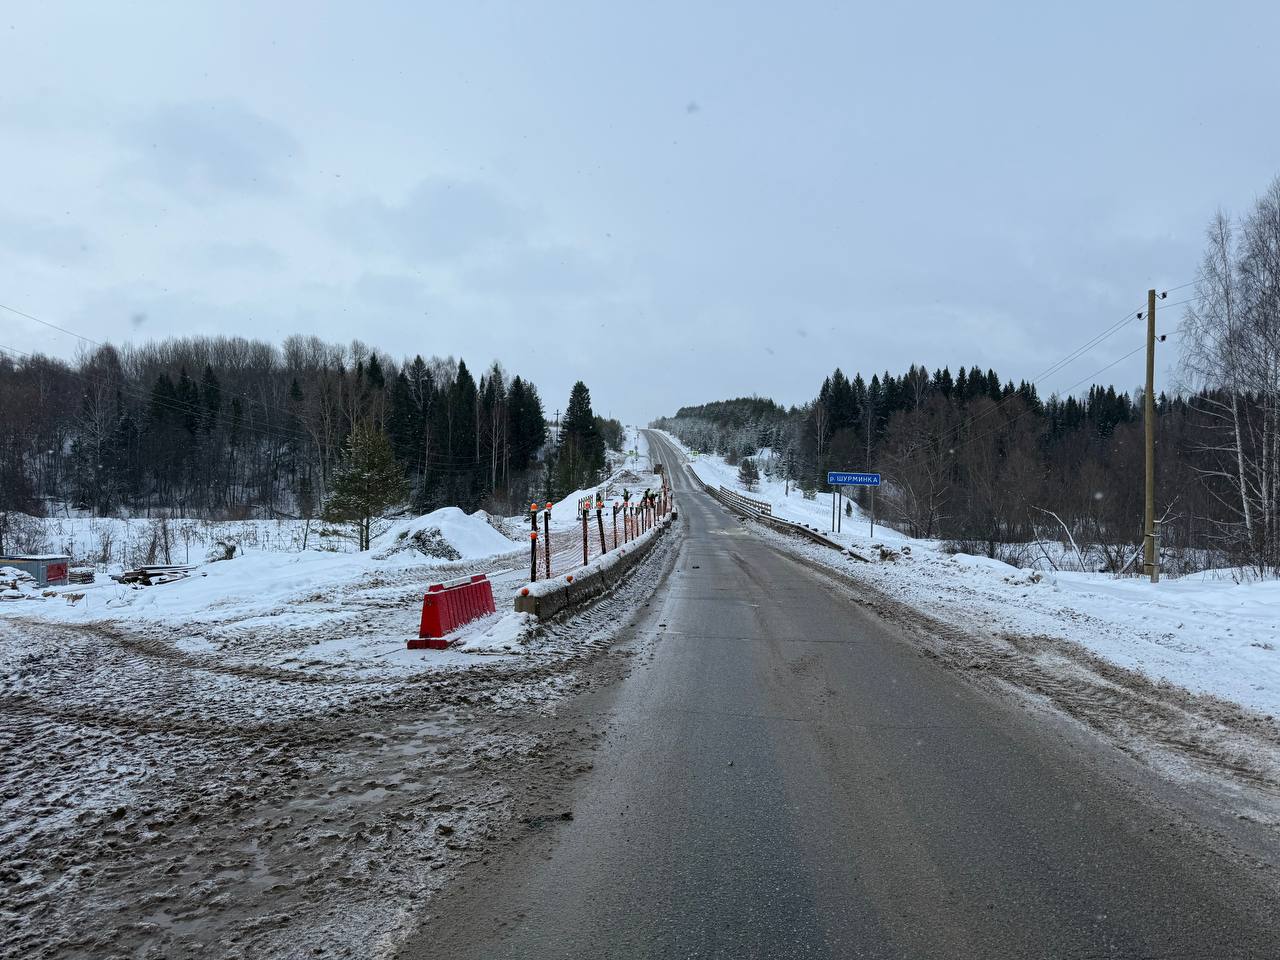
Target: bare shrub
(161, 544)
(223, 548)
(105, 542)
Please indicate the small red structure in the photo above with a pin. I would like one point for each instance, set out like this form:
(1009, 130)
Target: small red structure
(448, 606)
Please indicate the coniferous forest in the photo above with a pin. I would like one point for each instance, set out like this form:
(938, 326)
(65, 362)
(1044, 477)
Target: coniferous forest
(232, 428)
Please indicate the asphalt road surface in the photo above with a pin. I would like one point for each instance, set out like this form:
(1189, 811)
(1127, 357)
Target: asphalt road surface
(787, 777)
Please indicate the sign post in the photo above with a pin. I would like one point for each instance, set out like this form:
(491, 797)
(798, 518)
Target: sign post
(850, 478)
(546, 537)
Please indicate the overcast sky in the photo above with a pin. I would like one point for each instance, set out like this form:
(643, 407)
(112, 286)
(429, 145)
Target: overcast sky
(675, 202)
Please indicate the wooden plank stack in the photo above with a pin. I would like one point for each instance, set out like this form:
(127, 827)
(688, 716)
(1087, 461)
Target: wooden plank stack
(152, 575)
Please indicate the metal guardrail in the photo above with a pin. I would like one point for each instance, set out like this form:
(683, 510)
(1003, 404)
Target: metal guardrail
(739, 505)
(759, 506)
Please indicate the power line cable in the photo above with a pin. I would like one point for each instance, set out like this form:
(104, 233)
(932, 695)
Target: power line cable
(176, 406)
(439, 462)
(1061, 364)
(952, 448)
(1076, 354)
(1182, 285)
(262, 403)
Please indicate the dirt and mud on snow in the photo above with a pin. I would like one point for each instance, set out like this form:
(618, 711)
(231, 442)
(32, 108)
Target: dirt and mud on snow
(179, 793)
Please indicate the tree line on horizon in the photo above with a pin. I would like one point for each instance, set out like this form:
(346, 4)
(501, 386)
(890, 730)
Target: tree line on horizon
(965, 458)
(230, 428)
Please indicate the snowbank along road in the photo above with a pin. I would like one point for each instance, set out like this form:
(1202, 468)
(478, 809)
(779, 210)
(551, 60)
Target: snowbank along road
(787, 773)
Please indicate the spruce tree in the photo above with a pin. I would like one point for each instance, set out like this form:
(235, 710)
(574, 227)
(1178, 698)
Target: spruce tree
(373, 374)
(366, 483)
(210, 397)
(188, 397)
(459, 469)
(580, 457)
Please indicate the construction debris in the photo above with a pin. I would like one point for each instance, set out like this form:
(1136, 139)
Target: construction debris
(150, 576)
(15, 583)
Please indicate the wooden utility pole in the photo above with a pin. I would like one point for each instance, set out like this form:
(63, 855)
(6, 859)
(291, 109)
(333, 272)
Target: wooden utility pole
(1151, 563)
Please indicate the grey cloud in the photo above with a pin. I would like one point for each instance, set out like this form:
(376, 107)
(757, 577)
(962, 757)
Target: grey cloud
(207, 148)
(440, 219)
(248, 255)
(58, 243)
(538, 271)
(385, 289)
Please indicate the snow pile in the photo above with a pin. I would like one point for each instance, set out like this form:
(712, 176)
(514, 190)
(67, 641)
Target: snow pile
(16, 584)
(444, 534)
(498, 633)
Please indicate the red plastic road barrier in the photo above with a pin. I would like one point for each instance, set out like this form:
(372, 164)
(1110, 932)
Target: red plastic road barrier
(448, 606)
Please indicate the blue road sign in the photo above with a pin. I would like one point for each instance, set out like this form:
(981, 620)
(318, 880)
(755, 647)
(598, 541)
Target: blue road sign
(837, 479)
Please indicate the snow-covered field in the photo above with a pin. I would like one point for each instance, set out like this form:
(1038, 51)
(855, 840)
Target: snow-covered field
(114, 542)
(1205, 632)
(249, 762)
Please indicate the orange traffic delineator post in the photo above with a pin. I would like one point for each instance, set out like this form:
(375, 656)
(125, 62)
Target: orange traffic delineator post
(533, 541)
